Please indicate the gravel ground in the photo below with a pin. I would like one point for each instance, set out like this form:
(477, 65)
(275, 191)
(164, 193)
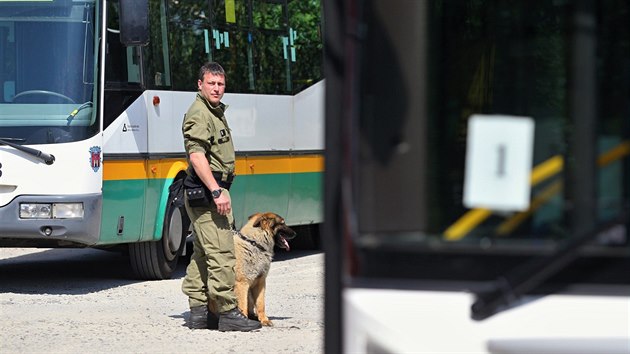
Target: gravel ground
(83, 300)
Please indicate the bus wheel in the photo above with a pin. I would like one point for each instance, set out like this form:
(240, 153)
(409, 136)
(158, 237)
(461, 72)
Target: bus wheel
(158, 259)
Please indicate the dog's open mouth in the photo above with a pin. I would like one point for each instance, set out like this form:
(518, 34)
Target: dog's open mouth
(284, 243)
(283, 237)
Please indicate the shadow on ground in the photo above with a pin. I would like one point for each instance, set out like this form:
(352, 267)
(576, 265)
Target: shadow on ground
(82, 271)
(68, 271)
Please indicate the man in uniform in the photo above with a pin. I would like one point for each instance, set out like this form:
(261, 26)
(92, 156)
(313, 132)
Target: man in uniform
(210, 151)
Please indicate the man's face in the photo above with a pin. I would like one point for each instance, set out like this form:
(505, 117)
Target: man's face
(212, 88)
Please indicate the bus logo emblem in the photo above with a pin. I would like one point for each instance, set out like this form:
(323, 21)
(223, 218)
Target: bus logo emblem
(95, 158)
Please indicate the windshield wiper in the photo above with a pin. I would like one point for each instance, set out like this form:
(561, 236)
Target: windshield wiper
(47, 158)
(508, 288)
(20, 140)
(77, 110)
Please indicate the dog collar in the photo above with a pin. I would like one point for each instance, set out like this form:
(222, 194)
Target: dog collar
(254, 243)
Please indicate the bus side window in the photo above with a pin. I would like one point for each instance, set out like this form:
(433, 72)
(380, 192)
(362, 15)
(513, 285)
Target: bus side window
(113, 71)
(4, 54)
(187, 40)
(156, 54)
(122, 64)
(122, 69)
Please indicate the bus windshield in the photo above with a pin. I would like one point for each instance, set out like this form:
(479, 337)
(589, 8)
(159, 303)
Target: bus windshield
(48, 55)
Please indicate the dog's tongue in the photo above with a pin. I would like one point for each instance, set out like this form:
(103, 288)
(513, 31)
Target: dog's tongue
(285, 243)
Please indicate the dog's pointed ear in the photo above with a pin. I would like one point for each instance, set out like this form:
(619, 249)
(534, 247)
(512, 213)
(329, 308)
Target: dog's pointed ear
(258, 217)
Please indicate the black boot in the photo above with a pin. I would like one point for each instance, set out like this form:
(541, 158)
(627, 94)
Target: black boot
(234, 320)
(199, 317)
(213, 321)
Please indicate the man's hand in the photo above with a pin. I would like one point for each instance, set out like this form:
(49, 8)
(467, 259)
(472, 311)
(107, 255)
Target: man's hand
(200, 164)
(223, 204)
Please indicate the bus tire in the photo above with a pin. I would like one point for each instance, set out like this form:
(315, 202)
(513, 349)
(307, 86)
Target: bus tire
(156, 260)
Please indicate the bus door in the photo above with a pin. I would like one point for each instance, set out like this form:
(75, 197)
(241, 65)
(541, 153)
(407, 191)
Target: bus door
(125, 168)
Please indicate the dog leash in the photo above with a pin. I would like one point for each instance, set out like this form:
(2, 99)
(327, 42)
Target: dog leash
(254, 243)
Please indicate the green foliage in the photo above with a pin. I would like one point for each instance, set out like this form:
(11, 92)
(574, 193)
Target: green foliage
(248, 38)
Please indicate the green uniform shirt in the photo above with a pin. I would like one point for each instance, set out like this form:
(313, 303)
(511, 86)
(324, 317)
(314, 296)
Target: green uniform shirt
(206, 130)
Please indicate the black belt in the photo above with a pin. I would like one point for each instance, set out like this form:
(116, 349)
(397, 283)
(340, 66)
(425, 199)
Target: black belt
(224, 180)
(224, 177)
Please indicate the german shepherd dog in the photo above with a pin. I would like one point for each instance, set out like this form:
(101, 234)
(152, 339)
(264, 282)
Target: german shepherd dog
(254, 249)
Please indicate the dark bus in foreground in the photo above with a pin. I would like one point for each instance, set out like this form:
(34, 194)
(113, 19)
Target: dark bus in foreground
(477, 176)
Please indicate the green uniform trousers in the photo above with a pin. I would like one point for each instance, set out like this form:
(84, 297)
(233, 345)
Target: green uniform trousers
(210, 274)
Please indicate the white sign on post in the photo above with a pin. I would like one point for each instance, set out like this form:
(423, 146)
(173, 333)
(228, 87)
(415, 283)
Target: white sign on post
(498, 162)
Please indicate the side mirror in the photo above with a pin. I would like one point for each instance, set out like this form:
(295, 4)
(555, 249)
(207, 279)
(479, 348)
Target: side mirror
(134, 22)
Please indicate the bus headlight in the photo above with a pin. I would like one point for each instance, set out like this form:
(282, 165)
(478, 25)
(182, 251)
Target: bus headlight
(51, 211)
(35, 211)
(67, 211)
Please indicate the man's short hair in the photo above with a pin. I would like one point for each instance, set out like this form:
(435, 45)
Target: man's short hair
(212, 68)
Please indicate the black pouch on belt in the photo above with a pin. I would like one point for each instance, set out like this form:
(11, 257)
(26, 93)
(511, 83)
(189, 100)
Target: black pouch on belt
(196, 192)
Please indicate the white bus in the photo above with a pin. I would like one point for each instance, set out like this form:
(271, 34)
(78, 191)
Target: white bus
(92, 96)
(477, 177)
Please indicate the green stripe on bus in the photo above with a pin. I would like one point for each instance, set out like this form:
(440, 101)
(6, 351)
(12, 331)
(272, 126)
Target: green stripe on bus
(142, 203)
